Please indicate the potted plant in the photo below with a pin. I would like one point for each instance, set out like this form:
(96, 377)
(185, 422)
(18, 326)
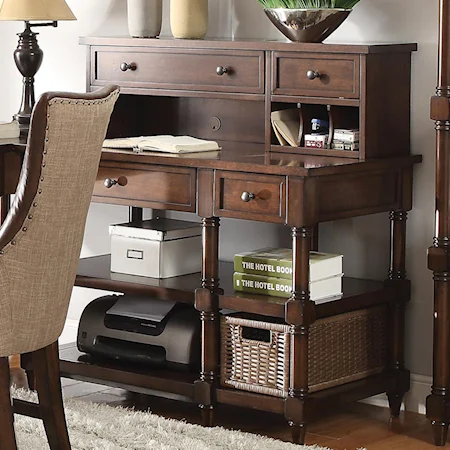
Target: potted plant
(307, 20)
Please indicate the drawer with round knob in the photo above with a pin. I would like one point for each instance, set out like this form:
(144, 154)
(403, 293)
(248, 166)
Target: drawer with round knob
(181, 69)
(316, 75)
(250, 196)
(158, 187)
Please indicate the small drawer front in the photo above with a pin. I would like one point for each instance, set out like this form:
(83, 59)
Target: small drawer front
(316, 75)
(192, 70)
(156, 187)
(250, 196)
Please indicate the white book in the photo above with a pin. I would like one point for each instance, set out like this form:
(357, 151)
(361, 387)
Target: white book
(162, 143)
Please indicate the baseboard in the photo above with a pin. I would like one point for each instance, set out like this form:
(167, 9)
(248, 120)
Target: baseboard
(69, 333)
(414, 399)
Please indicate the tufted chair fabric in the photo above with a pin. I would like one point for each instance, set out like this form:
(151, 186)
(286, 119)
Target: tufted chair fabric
(41, 237)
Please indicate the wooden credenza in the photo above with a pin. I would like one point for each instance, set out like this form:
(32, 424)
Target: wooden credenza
(226, 90)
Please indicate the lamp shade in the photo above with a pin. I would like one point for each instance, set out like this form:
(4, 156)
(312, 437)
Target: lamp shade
(35, 10)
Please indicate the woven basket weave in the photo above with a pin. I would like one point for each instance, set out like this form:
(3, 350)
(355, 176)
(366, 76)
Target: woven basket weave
(342, 348)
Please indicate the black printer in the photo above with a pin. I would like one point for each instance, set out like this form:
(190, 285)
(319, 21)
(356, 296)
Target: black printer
(141, 330)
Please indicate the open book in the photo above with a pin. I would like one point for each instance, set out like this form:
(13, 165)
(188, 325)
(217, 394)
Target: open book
(162, 143)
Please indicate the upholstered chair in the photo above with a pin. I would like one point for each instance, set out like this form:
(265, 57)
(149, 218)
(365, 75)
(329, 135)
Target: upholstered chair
(40, 243)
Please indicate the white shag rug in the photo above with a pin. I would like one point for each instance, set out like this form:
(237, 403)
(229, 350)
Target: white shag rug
(102, 427)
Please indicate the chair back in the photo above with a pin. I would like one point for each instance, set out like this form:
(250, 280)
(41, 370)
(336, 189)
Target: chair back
(41, 237)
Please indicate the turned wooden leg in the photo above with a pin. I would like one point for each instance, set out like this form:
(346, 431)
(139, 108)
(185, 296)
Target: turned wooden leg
(7, 436)
(440, 431)
(396, 323)
(298, 433)
(206, 302)
(48, 383)
(300, 314)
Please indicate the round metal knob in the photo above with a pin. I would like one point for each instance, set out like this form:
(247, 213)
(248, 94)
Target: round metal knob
(312, 74)
(125, 66)
(221, 70)
(247, 196)
(121, 181)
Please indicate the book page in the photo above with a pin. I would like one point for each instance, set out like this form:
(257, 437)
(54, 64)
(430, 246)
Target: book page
(163, 143)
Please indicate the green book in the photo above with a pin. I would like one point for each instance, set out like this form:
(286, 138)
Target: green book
(281, 287)
(277, 262)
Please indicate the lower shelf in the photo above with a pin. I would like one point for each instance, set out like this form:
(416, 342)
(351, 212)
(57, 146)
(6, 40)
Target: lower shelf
(81, 366)
(180, 385)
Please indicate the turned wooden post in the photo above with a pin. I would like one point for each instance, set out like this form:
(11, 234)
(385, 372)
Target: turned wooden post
(206, 301)
(396, 344)
(439, 253)
(300, 313)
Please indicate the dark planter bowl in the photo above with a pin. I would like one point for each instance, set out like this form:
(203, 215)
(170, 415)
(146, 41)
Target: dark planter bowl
(307, 25)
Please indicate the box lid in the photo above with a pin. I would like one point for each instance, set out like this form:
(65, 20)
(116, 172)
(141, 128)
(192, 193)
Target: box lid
(158, 229)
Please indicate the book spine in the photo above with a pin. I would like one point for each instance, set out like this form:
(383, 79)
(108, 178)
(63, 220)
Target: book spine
(275, 287)
(266, 267)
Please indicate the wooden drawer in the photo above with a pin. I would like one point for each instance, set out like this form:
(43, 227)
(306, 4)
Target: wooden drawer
(157, 187)
(338, 75)
(265, 195)
(181, 69)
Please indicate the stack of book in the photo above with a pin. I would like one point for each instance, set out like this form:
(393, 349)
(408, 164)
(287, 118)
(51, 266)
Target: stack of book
(268, 271)
(345, 139)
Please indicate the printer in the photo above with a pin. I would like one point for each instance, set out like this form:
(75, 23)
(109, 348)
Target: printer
(142, 330)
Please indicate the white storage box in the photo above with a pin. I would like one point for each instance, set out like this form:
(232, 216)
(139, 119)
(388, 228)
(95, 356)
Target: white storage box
(156, 248)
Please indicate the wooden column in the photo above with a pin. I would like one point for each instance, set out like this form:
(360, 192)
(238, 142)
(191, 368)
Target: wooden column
(396, 344)
(300, 314)
(439, 253)
(206, 301)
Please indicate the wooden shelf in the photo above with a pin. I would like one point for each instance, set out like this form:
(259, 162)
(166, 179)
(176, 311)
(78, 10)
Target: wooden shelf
(134, 377)
(94, 272)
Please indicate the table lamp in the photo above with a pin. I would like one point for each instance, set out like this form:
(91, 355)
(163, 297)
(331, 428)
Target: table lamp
(28, 55)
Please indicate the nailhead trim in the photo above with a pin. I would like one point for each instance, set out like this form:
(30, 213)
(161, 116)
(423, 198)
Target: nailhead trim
(46, 140)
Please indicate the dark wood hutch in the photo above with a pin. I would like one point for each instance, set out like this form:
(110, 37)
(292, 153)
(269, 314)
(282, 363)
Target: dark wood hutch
(226, 90)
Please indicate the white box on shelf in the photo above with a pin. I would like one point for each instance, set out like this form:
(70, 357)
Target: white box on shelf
(156, 248)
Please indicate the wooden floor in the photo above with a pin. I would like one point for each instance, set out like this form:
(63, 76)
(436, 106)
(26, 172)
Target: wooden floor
(356, 425)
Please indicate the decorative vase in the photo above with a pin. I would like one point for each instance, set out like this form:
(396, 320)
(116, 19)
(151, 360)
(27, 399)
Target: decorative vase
(144, 18)
(307, 25)
(189, 18)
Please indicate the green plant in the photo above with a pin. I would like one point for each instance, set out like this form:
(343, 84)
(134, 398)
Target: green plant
(308, 4)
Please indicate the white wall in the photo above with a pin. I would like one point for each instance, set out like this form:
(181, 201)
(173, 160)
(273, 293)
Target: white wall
(364, 241)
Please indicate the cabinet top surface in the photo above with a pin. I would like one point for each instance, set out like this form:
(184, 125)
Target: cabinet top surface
(241, 158)
(248, 44)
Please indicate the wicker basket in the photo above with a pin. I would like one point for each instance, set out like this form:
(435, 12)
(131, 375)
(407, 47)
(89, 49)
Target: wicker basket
(255, 354)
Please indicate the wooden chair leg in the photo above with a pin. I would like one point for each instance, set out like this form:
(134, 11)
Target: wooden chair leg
(7, 435)
(27, 363)
(48, 384)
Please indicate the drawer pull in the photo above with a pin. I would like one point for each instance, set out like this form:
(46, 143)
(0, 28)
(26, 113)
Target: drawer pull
(312, 74)
(121, 181)
(221, 70)
(247, 196)
(125, 66)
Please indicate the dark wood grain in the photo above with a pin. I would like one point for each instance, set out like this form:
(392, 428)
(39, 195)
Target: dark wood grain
(438, 401)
